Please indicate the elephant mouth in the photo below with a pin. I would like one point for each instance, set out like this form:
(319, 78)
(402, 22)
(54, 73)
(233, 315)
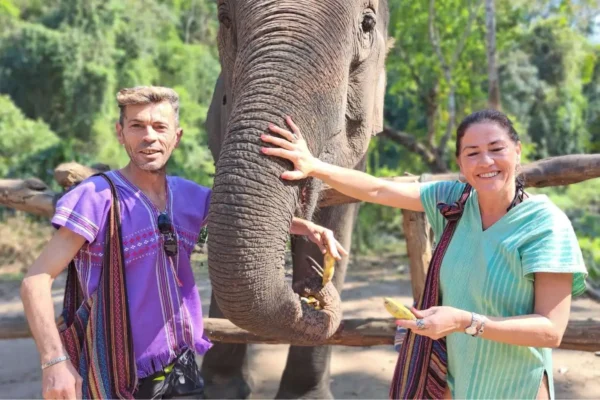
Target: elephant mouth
(307, 199)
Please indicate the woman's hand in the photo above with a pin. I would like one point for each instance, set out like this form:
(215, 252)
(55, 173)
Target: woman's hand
(437, 322)
(320, 236)
(292, 147)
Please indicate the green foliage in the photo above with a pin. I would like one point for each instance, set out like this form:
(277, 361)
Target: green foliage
(592, 93)
(62, 62)
(58, 76)
(582, 205)
(557, 123)
(418, 90)
(22, 140)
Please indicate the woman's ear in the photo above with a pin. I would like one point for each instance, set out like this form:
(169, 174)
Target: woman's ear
(518, 149)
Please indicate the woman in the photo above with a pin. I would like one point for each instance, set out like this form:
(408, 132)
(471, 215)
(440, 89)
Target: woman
(508, 275)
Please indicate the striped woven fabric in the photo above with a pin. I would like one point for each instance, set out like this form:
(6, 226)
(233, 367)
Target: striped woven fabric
(97, 333)
(422, 363)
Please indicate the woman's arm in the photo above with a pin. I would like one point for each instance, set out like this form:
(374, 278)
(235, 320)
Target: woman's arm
(356, 184)
(544, 328)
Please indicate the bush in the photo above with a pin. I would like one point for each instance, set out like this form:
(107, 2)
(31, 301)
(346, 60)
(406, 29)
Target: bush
(22, 141)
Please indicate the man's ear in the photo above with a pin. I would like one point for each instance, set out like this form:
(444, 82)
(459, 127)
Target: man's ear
(179, 133)
(119, 130)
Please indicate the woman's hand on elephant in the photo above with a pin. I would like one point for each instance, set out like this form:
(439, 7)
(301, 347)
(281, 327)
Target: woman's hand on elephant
(292, 147)
(437, 322)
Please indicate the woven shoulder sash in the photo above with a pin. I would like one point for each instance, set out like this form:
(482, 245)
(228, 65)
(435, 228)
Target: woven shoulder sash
(96, 333)
(422, 363)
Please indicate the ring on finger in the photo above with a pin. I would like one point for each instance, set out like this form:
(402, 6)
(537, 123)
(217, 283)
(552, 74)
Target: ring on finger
(420, 324)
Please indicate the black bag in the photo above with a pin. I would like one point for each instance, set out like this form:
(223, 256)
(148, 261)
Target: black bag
(182, 380)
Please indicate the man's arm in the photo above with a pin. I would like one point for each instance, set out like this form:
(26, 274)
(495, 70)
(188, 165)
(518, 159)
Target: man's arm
(58, 380)
(319, 235)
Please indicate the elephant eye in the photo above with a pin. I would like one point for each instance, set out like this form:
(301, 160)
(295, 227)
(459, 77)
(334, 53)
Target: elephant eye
(368, 23)
(224, 16)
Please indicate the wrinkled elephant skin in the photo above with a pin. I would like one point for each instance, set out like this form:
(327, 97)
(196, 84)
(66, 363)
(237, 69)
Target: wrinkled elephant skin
(321, 62)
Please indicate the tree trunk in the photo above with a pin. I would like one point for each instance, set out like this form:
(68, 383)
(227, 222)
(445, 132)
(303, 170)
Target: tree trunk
(417, 232)
(493, 82)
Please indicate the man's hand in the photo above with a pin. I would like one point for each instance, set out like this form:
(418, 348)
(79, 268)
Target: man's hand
(319, 235)
(61, 381)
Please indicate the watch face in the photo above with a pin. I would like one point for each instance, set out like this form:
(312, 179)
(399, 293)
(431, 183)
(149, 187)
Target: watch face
(471, 330)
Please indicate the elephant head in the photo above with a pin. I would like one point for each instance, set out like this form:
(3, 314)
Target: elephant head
(321, 62)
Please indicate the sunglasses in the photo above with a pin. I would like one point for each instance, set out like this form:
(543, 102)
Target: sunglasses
(166, 229)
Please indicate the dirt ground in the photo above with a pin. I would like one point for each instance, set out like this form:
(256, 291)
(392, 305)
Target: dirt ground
(356, 373)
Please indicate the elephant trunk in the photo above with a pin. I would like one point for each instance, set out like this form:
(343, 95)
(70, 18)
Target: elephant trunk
(251, 207)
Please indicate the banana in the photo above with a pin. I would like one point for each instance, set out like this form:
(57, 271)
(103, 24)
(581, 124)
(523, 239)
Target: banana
(328, 268)
(397, 310)
(312, 302)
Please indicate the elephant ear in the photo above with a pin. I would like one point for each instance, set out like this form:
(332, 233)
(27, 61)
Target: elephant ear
(378, 119)
(216, 118)
(379, 103)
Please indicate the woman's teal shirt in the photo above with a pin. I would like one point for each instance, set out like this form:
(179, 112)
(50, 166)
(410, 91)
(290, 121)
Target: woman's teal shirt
(491, 272)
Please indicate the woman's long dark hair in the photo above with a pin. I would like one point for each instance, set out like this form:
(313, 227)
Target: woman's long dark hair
(498, 118)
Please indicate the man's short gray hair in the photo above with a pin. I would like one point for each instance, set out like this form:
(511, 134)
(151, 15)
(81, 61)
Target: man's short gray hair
(147, 95)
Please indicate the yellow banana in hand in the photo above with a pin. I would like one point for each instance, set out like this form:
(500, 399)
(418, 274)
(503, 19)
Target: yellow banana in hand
(328, 268)
(397, 310)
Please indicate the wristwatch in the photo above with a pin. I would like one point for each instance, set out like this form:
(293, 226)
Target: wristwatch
(473, 329)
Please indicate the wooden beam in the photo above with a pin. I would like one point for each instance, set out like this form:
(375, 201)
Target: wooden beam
(580, 335)
(33, 196)
(68, 174)
(417, 232)
(553, 171)
(30, 195)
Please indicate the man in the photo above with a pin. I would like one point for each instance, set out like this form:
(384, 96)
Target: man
(164, 306)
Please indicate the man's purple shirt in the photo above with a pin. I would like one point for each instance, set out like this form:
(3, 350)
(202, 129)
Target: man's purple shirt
(165, 318)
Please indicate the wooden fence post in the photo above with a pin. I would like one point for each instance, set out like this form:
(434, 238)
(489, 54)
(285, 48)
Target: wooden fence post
(417, 232)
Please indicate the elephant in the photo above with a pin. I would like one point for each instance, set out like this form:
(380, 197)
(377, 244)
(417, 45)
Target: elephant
(322, 62)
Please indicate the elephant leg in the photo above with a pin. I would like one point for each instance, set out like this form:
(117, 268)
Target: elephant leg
(225, 367)
(306, 373)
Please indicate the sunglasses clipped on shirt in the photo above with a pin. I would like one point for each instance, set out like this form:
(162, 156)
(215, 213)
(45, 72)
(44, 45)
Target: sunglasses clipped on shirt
(166, 229)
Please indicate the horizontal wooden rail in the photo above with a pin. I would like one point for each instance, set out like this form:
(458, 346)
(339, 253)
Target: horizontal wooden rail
(33, 196)
(580, 335)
